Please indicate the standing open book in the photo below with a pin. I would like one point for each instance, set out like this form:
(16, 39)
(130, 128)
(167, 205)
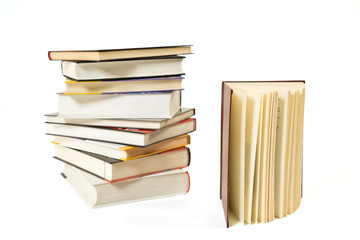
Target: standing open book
(261, 149)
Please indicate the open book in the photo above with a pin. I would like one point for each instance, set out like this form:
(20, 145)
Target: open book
(261, 149)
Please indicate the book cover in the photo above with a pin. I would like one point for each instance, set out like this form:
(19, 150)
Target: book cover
(121, 53)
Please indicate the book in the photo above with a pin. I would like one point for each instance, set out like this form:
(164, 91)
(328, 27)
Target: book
(115, 170)
(121, 69)
(118, 151)
(124, 53)
(123, 86)
(127, 136)
(261, 149)
(128, 105)
(142, 123)
(98, 193)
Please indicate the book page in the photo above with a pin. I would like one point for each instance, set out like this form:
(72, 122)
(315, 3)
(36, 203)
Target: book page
(264, 162)
(289, 151)
(255, 199)
(291, 182)
(299, 148)
(273, 125)
(237, 153)
(282, 138)
(252, 125)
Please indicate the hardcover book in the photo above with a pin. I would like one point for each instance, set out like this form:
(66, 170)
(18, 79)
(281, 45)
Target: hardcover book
(134, 137)
(164, 104)
(124, 86)
(134, 68)
(141, 123)
(261, 149)
(115, 170)
(118, 151)
(99, 193)
(124, 53)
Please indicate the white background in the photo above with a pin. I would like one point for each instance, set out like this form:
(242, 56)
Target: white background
(313, 40)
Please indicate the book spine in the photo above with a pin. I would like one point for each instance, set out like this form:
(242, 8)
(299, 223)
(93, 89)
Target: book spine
(224, 150)
(62, 160)
(189, 182)
(126, 92)
(189, 154)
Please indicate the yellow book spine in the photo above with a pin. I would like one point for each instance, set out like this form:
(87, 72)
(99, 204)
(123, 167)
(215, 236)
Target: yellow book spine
(152, 153)
(94, 93)
(125, 148)
(72, 81)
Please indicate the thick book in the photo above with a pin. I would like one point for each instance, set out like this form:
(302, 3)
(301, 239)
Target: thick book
(119, 151)
(121, 69)
(124, 53)
(98, 193)
(261, 149)
(142, 123)
(115, 170)
(127, 136)
(123, 86)
(164, 104)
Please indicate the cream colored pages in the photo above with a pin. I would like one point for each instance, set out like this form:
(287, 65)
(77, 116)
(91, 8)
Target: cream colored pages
(280, 159)
(265, 158)
(271, 204)
(252, 124)
(291, 190)
(299, 148)
(255, 199)
(263, 163)
(281, 153)
(253, 100)
(288, 153)
(237, 154)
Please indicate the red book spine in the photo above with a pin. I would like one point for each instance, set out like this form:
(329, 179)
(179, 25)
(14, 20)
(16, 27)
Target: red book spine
(189, 182)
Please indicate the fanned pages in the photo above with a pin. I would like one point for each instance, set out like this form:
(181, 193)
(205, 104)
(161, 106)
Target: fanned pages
(261, 160)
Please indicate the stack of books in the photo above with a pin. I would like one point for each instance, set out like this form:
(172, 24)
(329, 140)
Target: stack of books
(120, 128)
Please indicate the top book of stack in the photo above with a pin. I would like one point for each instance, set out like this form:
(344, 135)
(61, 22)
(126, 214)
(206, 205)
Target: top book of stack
(124, 53)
